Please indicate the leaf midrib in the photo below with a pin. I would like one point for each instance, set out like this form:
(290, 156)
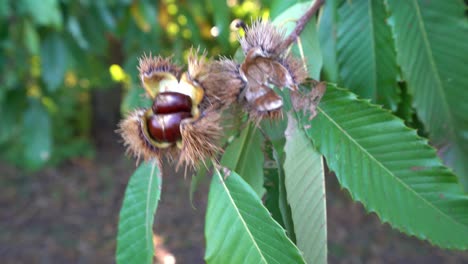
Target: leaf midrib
(296, 144)
(242, 149)
(398, 180)
(434, 67)
(374, 60)
(240, 162)
(148, 213)
(244, 224)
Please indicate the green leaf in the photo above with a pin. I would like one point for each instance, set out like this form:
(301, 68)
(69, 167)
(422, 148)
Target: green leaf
(44, 13)
(327, 31)
(239, 229)
(73, 26)
(134, 98)
(5, 9)
(144, 15)
(94, 31)
(273, 167)
(278, 6)
(135, 235)
(309, 38)
(431, 39)
(222, 20)
(274, 174)
(244, 156)
(311, 49)
(272, 197)
(366, 54)
(105, 14)
(391, 170)
(31, 38)
(149, 12)
(305, 186)
(406, 111)
(192, 25)
(11, 110)
(36, 136)
(53, 60)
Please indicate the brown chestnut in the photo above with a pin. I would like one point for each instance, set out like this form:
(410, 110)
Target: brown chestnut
(166, 127)
(171, 102)
(270, 101)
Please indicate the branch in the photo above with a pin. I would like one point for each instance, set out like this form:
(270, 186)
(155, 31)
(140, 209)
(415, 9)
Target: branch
(301, 23)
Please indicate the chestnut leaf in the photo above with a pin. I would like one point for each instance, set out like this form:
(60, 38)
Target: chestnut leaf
(135, 233)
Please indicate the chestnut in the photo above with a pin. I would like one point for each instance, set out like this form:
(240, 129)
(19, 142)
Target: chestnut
(166, 127)
(171, 102)
(270, 101)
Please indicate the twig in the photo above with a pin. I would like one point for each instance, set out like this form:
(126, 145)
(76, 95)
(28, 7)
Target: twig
(301, 23)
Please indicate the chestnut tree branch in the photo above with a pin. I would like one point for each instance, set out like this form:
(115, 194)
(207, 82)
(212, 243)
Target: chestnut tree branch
(301, 23)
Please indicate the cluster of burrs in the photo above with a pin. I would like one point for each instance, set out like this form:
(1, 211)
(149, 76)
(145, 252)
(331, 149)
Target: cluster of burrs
(184, 122)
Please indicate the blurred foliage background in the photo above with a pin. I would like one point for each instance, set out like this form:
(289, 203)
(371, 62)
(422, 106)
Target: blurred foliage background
(55, 54)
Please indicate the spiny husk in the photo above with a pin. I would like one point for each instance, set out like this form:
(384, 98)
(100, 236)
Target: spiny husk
(256, 116)
(296, 68)
(308, 101)
(260, 70)
(134, 140)
(267, 63)
(219, 79)
(154, 71)
(258, 108)
(200, 135)
(197, 65)
(200, 138)
(222, 84)
(149, 64)
(267, 59)
(285, 72)
(265, 35)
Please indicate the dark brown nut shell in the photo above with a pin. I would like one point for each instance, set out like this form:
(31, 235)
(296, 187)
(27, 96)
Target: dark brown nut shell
(270, 101)
(166, 127)
(171, 102)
